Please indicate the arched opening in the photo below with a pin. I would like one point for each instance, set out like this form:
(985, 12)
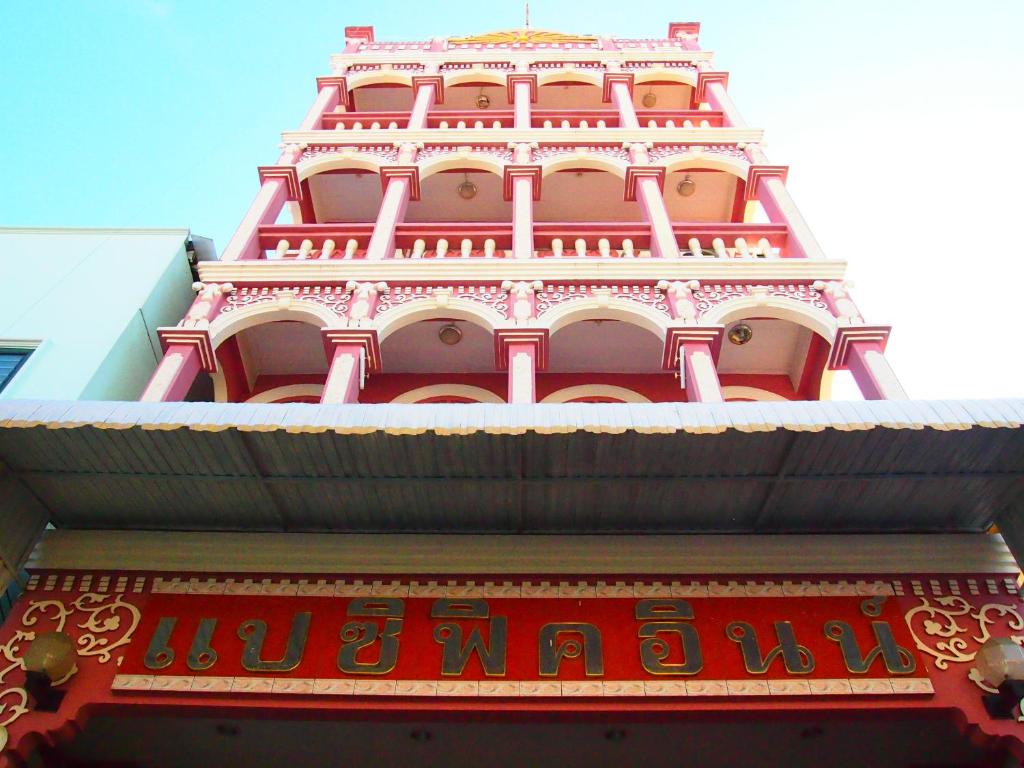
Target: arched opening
(765, 358)
(350, 195)
(461, 194)
(440, 358)
(566, 94)
(475, 93)
(658, 93)
(605, 355)
(584, 191)
(385, 96)
(277, 361)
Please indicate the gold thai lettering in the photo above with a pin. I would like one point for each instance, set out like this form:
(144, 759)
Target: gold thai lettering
(898, 660)
(585, 641)
(254, 632)
(665, 619)
(201, 655)
(797, 658)
(160, 655)
(357, 635)
(456, 653)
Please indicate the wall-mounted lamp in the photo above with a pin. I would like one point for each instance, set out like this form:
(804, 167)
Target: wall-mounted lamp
(466, 189)
(49, 661)
(740, 334)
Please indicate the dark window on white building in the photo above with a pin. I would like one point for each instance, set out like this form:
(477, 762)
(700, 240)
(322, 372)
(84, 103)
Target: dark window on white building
(10, 361)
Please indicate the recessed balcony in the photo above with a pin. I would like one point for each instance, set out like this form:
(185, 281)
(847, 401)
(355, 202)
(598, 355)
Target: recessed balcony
(475, 118)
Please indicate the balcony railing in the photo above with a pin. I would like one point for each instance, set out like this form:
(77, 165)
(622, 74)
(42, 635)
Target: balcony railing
(539, 118)
(491, 240)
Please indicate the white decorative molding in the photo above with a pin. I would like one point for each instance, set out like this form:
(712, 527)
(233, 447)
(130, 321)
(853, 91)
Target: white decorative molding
(478, 394)
(568, 394)
(461, 271)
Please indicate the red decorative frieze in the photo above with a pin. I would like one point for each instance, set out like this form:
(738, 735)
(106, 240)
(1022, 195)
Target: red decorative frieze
(190, 337)
(361, 337)
(286, 172)
(503, 337)
(491, 296)
(677, 336)
(636, 172)
(513, 172)
(502, 152)
(521, 77)
(847, 335)
(434, 81)
(611, 78)
(710, 295)
(410, 172)
(614, 151)
(757, 173)
(341, 83)
(383, 154)
(665, 151)
(704, 79)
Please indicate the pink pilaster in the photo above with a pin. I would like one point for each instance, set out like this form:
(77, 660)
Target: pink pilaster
(429, 90)
(860, 349)
(401, 184)
(331, 91)
(718, 99)
(351, 354)
(174, 376)
(522, 186)
(275, 191)
(766, 183)
(693, 352)
(522, 92)
(643, 184)
(523, 352)
(620, 87)
(187, 351)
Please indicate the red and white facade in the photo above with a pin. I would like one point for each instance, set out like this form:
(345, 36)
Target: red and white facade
(515, 218)
(593, 215)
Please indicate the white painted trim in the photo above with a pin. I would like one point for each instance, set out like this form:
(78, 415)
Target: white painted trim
(479, 394)
(818, 320)
(555, 136)
(594, 308)
(470, 160)
(339, 61)
(497, 270)
(288, 390)
(750, 393)
(430, 307)
(226, 325)
(20, 344)
(337, 160)
(321, 553)
(622, 394)
(583, 160)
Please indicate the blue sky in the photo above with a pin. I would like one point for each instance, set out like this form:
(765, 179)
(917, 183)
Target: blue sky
(901, 121)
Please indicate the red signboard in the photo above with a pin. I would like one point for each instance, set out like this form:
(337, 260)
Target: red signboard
(724, 642)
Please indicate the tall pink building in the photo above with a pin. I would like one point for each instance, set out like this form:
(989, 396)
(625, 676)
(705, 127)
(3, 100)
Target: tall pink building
(474, 448)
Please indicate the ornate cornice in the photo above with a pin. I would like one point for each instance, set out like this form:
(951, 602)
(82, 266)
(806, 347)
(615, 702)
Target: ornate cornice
(190, 337)
(637, 172)
(286, 172)
(530, 78)
(340, 82)
(366, 338)
(503, 337)
(610, 78)
(677, 336)
(846, 335)
(513, 172)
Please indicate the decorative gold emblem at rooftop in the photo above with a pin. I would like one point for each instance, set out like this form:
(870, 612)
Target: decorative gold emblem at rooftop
(521, 36)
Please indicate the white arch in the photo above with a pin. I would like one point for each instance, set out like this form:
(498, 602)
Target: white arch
(471, 161)
(332, 161)
(566, 394)
(288, 390)
(737, 166)
(568, 162)
(228, 324)
(429, 307)
(666, 74)
(750, 393)
(566, 75)
(818, 320)
(377, 77)
(594, 308)
(479, 394)
(475, 75)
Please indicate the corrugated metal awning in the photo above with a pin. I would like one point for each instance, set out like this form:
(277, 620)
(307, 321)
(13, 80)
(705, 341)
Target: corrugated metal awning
(673, 467)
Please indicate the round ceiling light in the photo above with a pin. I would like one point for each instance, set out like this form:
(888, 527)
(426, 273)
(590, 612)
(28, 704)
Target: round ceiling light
(483, 101)
(467, 189)
(740, 334)
(686, 187)
(649, 100)
(450, 334)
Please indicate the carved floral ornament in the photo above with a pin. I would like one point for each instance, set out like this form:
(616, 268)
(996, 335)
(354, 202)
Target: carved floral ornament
(939, 630)
(107, 623)
(528, 36)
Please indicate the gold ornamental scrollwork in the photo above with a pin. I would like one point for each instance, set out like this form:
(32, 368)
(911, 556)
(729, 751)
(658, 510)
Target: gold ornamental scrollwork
(951, 640)
(509, 36)
(108, 623)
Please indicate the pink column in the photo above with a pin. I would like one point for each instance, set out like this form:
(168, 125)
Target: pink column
(766, 183)
(522, 372)
(344, 379)
(700, 377)
(623, 101)
(870, 368)
(646, 181)
(718, 99)
(522, 97)
(329, 96)
(522, 217)
(174, 376)
(428, 89)
(265, 209)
